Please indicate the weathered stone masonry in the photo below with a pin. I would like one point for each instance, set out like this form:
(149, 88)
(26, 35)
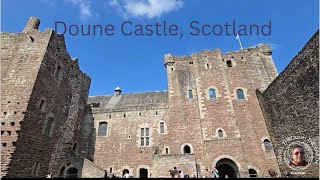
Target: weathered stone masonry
(43, 100)
(291, 104)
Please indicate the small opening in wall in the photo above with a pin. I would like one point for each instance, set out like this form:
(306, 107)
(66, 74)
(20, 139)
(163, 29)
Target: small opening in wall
(3, 123)
(109, 116)
(4, 144)
(167, 151)
(9, 132)
(191, 62)
(156, 112)
(242, 57)
(14, 143)
(9, 101)
(140, 151)
(208, 66)
(2, 132)
(5, 113)
(139, 113)
(18, 102)
(15, 112)
(129, 136)
(124, 115)
(20, 122)
(17, 131)
(171, 69)
(24, 112)
(13, 123)
(32, 39)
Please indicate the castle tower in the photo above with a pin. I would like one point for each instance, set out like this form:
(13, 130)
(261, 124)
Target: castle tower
(213, 109)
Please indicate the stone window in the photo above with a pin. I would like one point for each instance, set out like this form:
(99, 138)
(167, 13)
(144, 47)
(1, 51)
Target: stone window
(161, 127)
(49, 126)
(102, 131)
(220, 133)
(190, 95)
(167, 150)
(144, 137)
(212, 94)
(253, 173)
(240, 94)
(186, 149)
(267, 144)
(57, 71)
(229, 63)
(42, 105)
(75, 147)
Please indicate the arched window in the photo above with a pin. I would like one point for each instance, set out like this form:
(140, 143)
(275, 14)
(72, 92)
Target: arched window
(72, 173)
(229, 63)
(220, 133)
(212, 94)
(267, 144)
(48, 126)
(253, 173)
(186, 149)
(102, 129)
(240, 94)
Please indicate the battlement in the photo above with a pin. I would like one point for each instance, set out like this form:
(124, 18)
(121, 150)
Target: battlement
(264, 49)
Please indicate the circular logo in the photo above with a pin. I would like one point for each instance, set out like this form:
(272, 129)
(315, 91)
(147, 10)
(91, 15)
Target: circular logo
(297, 152)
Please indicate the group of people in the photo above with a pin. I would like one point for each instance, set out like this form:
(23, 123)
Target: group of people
(176, 173)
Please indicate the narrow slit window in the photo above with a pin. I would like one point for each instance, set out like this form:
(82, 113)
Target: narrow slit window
(161, 127)
(190, 94)
(229, 63)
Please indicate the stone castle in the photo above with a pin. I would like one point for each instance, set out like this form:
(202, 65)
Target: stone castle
(220, 110)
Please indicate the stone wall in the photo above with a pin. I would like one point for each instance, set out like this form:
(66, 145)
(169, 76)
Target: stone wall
(89, 170)
(43, 100)
(291, 107)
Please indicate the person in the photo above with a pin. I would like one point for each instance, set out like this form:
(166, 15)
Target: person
(215, 173)
(272, 173)
(49, 175)
(181, 174)
(126, 175)
(298, 157)
(175, 171)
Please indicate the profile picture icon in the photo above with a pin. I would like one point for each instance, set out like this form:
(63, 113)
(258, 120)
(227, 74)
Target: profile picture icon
(298, 157)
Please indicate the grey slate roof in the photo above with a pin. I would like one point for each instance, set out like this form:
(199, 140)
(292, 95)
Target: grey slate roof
(131, 101)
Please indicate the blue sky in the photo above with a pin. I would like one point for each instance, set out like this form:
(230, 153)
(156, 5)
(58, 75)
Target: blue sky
(135, 63)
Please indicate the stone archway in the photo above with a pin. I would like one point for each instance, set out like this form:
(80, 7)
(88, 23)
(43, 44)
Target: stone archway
(227, 167)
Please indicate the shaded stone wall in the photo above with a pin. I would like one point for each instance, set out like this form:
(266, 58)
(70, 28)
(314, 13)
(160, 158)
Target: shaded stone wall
(40, 75)
(291, 106)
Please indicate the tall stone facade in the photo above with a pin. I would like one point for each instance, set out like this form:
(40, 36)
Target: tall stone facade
(291, 109)
(43, 100)
(209, 117)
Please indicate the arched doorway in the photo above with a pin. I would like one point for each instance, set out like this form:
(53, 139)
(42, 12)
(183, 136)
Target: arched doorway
(72, 172)
(125, 171)
(227, 167)
(143, 173)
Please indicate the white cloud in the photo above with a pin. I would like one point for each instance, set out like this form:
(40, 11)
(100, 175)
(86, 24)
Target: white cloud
(84, 6)
(145, 8)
